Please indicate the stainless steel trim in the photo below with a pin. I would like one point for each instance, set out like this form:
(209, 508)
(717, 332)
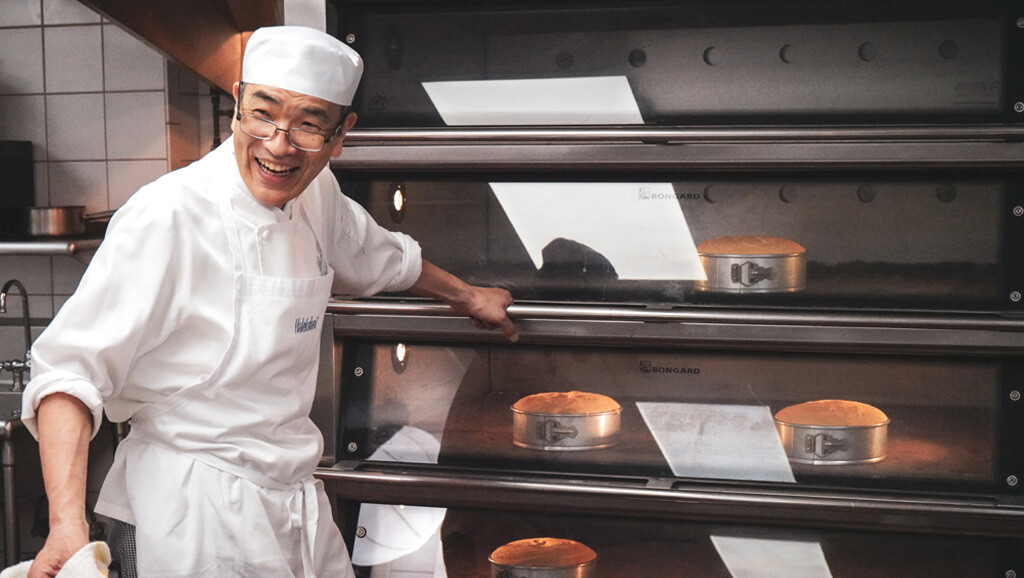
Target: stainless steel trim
(664, 498)
(537, 157)
(52, 248)
(644, 314)
(618, 134)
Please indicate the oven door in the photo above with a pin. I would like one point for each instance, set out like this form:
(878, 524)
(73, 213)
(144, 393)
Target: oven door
(659, 63)
(458, 542)
(881, 241)
(700, 470)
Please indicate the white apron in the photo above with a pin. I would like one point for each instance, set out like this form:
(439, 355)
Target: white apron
(219, 474)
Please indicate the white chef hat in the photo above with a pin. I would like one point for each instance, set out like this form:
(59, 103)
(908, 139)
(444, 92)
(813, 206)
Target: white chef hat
(303, 60)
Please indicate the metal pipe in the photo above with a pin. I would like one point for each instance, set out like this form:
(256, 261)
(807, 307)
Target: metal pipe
(11, 539)
(56, 248)
(643, 314)
(694, 135)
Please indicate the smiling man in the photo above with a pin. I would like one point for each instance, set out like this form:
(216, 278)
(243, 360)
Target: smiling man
(198, 322)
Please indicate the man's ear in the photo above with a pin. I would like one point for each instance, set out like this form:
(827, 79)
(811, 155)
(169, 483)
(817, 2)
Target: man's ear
(234, 93)
(338, 142)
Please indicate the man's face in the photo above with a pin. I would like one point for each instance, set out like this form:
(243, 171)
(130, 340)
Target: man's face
(274, 170)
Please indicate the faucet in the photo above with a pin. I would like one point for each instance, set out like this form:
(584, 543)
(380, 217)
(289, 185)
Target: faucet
(18, 366)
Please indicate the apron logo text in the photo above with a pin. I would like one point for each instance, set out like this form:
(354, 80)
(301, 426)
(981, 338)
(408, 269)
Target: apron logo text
(304, 324)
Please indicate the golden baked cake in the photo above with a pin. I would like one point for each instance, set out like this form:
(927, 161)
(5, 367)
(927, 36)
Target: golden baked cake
(567, 402)
(750, 245)
(832, 412)
(543, 553)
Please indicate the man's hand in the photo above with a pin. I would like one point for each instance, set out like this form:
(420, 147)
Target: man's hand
(487, 309)
(61, 544)
(485, 306)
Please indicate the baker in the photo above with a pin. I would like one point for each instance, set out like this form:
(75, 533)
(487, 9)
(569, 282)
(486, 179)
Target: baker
(198, 321)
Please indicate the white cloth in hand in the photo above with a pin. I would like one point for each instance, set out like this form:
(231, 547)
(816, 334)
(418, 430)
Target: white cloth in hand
(92, 561)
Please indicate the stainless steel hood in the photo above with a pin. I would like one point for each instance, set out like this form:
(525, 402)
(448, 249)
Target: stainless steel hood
(207, 37)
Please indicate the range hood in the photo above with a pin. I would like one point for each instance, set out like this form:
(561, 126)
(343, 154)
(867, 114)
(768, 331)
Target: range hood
(206, 36)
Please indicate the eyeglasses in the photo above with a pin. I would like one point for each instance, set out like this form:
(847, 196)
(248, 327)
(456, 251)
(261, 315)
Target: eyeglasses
(300, 138)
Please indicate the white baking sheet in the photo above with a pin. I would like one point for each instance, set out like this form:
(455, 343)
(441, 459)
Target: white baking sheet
(729, 442)
(763, 558)
(638, 227)
(539, 101)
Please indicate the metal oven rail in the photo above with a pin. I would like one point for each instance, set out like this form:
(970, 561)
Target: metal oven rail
(669, 498)
(641, 326)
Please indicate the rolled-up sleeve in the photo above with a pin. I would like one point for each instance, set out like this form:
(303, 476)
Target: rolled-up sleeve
(89, 347)
(367, 258)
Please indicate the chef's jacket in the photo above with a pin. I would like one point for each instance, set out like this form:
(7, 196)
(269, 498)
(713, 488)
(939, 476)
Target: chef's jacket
(154, 314)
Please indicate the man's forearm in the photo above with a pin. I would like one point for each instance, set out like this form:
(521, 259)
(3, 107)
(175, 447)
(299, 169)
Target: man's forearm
(65, 427)
(441, 285)
(485, 306)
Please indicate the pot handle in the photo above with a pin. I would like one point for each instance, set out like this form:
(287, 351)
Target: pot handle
(551, 431)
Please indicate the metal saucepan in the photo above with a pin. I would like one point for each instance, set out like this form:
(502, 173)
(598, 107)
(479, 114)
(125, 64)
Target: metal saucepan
(61, 221)
(543, 558)
(833, 432)
(566, 421)
(752, 264)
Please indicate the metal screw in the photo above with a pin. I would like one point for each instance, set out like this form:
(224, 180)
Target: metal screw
(1018, 211)
(1018, 107)
(351, 38)
(1011, 574)
(1015, 296)
(1011, 480)
(359, 370)
(352, 447)
(360, 532)
(1015, 395)
(1020, 22)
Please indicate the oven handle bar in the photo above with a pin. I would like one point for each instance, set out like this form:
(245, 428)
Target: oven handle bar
(934, 516)
(643, 314)
(693, 135)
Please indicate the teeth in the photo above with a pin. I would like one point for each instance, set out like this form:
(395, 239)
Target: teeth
(274, 167)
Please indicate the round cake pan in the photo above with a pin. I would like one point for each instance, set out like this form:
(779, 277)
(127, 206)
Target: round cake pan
(833, 445)
(565, 432)
(753, 273)
(578, 571)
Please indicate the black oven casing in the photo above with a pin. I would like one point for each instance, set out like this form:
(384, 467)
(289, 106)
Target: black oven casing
(884, 136)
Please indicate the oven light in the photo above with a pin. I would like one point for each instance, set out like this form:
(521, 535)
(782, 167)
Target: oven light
(399, 357)
(398, 204)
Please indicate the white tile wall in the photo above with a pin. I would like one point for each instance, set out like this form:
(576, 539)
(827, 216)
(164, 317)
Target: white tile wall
(67, 12)
(42, 184)
(21, 61)
(93, 101)
(79, 183)
(23, 117)
(75, 129)
(128, 64)
(136, 125)
(67, 272)
(20, 13)
(74, 58)
(125, 177)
